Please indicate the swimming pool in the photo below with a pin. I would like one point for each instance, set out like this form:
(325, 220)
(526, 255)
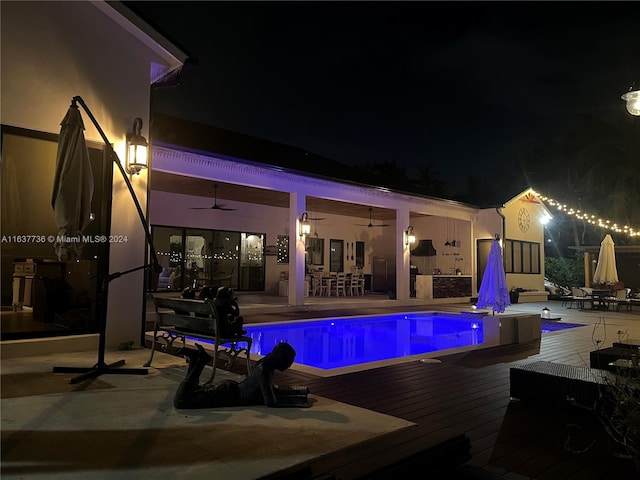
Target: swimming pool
(333, 346)
(338, 345)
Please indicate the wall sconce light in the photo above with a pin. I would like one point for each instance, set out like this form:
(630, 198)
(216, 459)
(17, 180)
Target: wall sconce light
(305, 226)
(137, 149)
(409, 236)
(632, 97)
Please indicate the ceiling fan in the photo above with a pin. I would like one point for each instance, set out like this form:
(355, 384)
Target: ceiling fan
(372, 224)
(215, 205)
(314, 218)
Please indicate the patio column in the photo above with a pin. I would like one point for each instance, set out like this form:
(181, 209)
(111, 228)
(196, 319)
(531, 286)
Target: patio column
(297, 206)
(403, 256)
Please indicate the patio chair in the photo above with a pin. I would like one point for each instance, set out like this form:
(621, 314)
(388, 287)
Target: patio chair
(620, 297)
(324, 282)
(354, 285)
(578, 296)
(567, 300)
(341, 284)
(361, 283)
(317, 288)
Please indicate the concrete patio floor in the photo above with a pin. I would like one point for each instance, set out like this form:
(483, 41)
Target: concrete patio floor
(126, 427)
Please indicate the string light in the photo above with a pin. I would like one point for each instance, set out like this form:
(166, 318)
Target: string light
(590, 218)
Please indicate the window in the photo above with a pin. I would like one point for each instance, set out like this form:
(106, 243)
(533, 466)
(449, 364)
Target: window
(314, 250)
(282, 243)
(55, 298)
(196, 257)
(336, 255)
(360, 254)
(521, 257)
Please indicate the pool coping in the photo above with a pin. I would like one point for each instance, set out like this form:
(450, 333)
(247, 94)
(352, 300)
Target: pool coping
(489, 341)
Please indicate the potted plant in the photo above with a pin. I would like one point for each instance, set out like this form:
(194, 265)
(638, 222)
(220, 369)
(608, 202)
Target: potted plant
(618, 408)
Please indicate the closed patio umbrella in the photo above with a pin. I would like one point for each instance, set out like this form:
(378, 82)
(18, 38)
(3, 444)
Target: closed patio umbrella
(72, 185)
(493, 289)
(606, 271)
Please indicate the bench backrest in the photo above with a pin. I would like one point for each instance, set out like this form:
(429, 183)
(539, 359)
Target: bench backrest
(191, 315)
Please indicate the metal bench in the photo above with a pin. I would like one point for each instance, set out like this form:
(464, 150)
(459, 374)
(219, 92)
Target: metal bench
(179, 318)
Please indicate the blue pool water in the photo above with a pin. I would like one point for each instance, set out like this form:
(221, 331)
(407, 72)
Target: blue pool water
(548, 327)
(333, 344)
(340, 342)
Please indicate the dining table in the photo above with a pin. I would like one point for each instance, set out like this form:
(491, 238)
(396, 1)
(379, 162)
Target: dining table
(598, 299)
(328, 284)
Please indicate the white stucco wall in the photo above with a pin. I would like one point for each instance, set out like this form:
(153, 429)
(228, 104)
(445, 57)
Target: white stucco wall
(441, 221)
(53, 51)
(535, 234)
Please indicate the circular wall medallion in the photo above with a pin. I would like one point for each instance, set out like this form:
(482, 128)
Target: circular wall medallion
(524, 220)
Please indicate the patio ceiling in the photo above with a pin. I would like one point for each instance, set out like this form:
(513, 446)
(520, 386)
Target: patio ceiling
(167, 182)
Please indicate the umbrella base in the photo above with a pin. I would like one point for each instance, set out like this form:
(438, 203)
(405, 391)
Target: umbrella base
(99, 369)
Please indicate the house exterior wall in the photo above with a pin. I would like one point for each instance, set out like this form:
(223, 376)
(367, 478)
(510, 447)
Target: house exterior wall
(489, 223)
(519, 212)
(505, 222)
(444, 219)
(53, 51)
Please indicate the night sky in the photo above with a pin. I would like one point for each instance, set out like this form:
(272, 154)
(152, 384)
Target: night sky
(459, 86)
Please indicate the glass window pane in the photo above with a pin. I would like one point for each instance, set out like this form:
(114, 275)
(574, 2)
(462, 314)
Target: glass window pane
(168, 244)
(526, 257)
(336, 255)
(508, 256)
(535, 258)
(314, 248)
(282, 243)
(198, 257)
(225, 258)
(517, 257)
(360, 255)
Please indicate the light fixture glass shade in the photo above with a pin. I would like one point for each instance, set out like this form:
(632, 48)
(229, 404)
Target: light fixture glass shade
(137, 149)
(305, 226)
(409, 236)
(632, 97)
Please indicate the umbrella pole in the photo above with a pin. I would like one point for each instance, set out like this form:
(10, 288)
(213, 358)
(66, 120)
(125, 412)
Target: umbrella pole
(101, 367)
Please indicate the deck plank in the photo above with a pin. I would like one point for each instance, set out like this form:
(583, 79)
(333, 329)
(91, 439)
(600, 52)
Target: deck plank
(469, 394)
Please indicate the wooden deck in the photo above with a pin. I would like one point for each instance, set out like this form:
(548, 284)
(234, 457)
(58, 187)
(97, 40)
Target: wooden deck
(467, 397)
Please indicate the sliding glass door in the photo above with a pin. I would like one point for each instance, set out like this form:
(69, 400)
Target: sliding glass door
(193, 258)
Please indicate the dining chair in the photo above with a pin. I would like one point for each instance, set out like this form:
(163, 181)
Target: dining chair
(361, 283)
(341, 284)
(316, 285)
(618, 299)
(579, 297)
(325, 285)
(307, 286)
(353, 286)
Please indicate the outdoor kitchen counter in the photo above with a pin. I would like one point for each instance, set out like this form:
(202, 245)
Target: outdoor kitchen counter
(443, 286)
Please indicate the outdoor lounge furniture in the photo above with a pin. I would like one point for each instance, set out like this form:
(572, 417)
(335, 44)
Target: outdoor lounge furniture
(579, 296)
(599, 298)
(179, 318)
(557, 384)
(619, 298)
(604, 358)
